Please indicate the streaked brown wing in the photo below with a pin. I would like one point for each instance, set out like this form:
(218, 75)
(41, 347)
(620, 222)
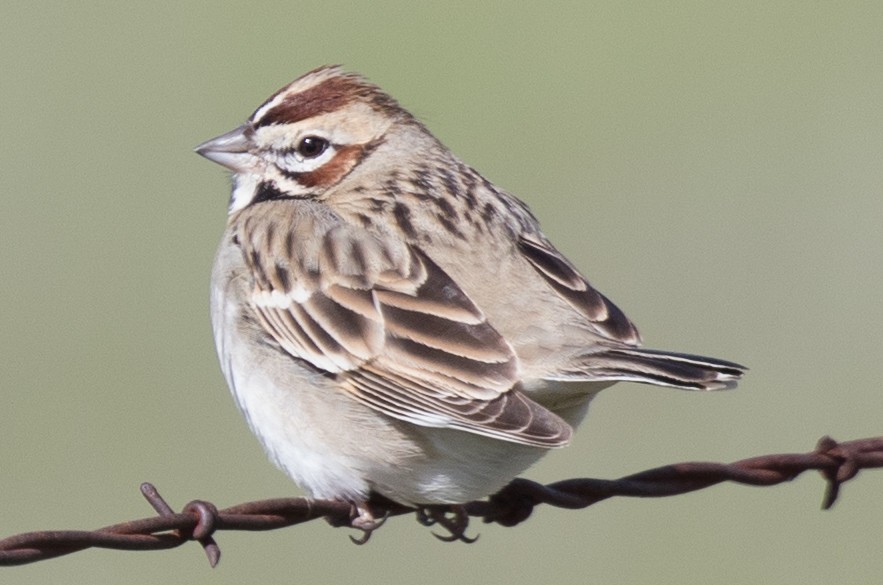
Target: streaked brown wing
(606, 318)
(511, 416)
(400, 334)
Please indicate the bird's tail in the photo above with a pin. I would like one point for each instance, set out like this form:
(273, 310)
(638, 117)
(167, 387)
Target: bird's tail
(662, 368)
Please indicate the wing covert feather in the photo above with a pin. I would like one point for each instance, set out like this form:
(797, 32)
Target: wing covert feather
(400, 334)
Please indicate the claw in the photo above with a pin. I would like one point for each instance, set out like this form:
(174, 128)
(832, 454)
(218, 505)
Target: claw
(363, 519)
(362, 539)
(454, 519)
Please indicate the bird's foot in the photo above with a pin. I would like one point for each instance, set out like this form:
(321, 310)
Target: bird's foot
(453, 518)
(362, 518)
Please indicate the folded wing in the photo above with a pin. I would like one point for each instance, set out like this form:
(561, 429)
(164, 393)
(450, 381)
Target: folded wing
(399, 334)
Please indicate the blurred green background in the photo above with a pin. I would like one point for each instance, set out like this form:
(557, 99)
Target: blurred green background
(715, 168)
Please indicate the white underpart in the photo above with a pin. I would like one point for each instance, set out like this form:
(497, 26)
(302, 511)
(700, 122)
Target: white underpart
(244, 188)
(272, 411)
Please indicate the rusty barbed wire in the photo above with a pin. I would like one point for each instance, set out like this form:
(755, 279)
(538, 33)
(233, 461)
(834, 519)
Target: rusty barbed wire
(199, 520)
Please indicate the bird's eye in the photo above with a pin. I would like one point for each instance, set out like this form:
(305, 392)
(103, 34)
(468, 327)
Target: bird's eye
(311, 146)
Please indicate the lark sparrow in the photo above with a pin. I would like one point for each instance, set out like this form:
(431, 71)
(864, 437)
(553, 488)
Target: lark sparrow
(391, 322)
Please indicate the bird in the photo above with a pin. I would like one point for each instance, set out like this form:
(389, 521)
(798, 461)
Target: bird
(391, 323)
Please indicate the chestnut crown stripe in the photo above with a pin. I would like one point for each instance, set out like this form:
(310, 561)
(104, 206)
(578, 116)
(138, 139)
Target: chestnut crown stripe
(330, 95)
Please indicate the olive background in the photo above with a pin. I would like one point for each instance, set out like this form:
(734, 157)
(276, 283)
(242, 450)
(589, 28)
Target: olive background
(714, 168)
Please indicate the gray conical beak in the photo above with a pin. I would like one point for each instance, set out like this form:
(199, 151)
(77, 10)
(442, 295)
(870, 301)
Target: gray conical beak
(230, 150)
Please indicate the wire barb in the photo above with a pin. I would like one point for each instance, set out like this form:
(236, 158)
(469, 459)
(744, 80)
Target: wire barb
(200, 520)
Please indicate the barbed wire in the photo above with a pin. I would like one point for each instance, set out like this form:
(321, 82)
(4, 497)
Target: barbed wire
(199, 520)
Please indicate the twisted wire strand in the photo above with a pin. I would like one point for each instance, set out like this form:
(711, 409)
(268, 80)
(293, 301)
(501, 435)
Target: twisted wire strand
(200, 520)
